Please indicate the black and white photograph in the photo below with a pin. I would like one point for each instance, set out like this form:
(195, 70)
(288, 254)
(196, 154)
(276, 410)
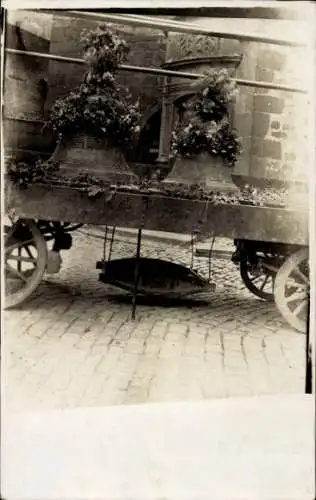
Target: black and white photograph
(158, 250)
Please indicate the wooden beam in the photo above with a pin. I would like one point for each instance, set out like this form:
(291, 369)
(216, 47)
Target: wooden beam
(162, 214)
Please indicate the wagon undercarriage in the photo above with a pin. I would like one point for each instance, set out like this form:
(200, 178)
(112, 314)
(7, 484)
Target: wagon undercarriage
(271, 265)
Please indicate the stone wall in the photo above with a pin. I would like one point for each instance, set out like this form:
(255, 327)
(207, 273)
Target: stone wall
(274, 120)
(146, 49)
(25, 86)
(271, 123)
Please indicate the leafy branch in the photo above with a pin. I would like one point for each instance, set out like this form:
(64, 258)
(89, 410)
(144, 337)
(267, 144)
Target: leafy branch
(23, 175)
(99, 105)
(206, 126)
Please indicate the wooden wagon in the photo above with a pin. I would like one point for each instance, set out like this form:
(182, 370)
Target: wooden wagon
(270, 241)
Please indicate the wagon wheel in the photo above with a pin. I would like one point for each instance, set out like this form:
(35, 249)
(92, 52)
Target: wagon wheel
(25, 261)
(259, 282)
(291, 290)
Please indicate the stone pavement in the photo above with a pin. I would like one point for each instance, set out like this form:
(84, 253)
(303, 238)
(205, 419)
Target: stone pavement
(74, 344)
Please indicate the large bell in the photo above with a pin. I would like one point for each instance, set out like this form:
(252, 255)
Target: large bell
(86, 154)
(208, 171)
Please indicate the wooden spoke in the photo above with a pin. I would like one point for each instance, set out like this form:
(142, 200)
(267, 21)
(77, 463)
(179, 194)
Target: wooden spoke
(19, 244)
(261, 284)
(21, 258)
(294, 314)
(29, 252)
(302, 276)
(15, 272)
(301, 307)
(296, 296)
(264, 283)
(255, 278)
(18, 254)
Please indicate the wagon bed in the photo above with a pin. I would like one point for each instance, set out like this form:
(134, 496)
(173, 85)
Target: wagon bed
(160, 213)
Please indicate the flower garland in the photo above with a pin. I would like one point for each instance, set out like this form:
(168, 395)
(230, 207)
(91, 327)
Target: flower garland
(99, 105)
(22, 173)
(206, 127)
(43, 172)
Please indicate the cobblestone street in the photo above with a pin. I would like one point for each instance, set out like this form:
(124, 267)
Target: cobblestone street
(74, 344)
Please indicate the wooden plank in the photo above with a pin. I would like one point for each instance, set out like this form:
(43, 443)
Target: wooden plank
(73, 205)
(160, 214)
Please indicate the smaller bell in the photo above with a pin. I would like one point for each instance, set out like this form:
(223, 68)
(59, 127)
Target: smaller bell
(205, 170)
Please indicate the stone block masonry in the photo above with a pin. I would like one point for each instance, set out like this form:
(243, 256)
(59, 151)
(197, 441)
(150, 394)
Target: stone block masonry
(146, 49)
(279, 131)
(268, 104)
(272, 124)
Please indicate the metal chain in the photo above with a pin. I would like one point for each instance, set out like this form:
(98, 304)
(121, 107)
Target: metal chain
(136, 274)
(111, 242)
(210, 258)
(192, 251)
(104, 243)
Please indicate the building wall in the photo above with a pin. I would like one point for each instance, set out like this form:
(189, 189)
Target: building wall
(146, 49)
(25, 88)
(275, 121)
(271, 123)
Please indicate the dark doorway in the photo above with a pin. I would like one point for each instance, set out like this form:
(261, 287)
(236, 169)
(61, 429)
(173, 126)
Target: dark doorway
(148, 144)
